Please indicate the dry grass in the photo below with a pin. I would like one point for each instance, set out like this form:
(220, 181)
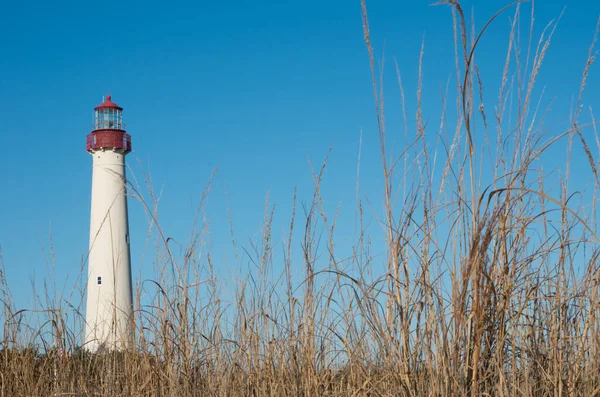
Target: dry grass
(491, 284)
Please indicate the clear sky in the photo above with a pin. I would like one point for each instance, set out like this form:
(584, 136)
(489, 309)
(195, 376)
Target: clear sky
(256, 88)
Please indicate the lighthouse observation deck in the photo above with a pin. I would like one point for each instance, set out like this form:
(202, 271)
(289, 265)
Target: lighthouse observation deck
(108, 139)
(108, 129)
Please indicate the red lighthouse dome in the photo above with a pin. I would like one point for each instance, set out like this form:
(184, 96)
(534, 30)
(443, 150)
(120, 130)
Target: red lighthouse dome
(108, 129)
(108, 103)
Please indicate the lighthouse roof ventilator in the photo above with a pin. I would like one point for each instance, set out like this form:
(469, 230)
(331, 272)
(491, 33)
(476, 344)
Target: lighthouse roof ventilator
(109, 306)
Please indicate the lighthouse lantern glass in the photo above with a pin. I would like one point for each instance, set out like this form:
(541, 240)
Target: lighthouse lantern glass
(108, 118)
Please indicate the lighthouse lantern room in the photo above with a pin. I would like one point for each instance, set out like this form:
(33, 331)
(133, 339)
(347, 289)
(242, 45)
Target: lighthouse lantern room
(108, 129)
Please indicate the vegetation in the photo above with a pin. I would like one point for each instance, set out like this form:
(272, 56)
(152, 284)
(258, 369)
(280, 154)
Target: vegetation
(491, 284)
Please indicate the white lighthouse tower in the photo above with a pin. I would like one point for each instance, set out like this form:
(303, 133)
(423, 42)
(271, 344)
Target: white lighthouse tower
(109, 312)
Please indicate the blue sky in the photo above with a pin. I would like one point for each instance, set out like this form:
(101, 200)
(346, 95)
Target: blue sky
(256, 88)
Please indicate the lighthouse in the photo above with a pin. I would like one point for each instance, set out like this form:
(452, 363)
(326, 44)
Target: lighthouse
(109, 308)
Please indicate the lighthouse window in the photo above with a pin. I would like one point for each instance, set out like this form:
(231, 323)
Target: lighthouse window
(109, 118)
(99, 280)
